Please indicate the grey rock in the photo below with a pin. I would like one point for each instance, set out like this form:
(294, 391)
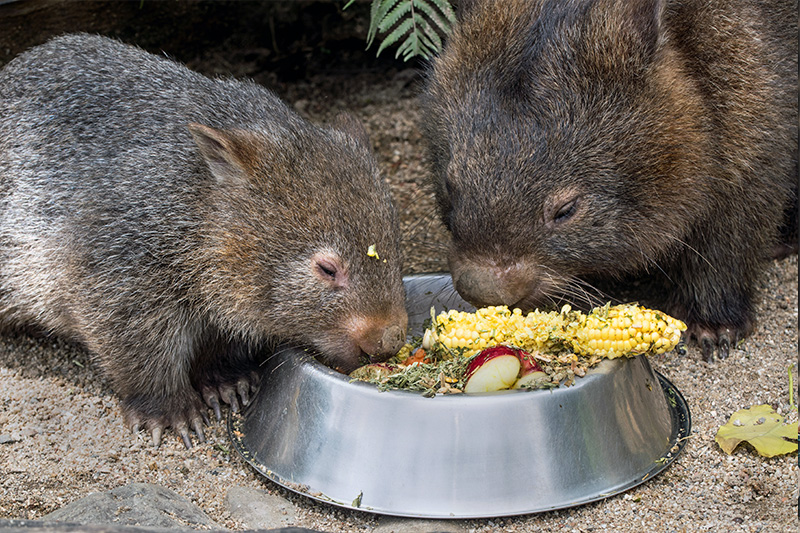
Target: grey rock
(389, 524)
(5, 438)
(36, 526)
(258, 509)
(137, 504)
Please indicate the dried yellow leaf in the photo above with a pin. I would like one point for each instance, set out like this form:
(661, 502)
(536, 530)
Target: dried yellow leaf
(762, 427)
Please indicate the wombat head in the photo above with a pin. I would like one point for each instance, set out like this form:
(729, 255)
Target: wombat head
(303, 240)
(564, 144)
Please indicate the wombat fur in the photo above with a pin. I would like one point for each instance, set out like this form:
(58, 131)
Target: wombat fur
(585, 141)
(176, 225)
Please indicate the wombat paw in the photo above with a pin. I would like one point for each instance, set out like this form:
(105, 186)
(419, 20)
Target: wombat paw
(714, 340)
(180, 420)
(230, 393)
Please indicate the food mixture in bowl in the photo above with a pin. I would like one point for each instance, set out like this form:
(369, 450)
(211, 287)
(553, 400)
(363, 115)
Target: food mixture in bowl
(496, 348)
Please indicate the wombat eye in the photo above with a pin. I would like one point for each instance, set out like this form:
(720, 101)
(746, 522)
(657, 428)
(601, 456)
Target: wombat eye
(326, 269)
(564, 212)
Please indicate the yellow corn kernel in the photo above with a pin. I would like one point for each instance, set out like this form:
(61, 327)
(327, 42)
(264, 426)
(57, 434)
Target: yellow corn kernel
(610, 331)
(633, 329)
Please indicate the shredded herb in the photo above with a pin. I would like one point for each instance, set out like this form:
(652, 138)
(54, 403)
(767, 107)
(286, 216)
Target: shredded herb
(429, 378)
(443, 371)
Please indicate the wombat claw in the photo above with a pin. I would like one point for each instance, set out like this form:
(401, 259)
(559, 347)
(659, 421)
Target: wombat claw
(713, 343)
(230, 393)
(212, 400)
(156, 434)
(183, 431)
(181, 428)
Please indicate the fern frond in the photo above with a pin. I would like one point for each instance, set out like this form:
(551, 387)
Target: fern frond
(442, 15)
(391, 18)
(417, 25)
(418, 43)
(402, 29)
(429, 36)
(377, 12)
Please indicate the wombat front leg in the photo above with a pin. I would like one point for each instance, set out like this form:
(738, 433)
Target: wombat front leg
(155, 414)
(213, 370)
(717, 339)
(226, 370)
(716, 303)
(229, 392)
(150, 369)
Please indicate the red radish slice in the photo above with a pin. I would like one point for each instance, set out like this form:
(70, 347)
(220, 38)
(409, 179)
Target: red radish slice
(493, 369)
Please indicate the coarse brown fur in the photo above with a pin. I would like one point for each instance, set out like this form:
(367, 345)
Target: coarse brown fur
(178, 225)
(580, 141)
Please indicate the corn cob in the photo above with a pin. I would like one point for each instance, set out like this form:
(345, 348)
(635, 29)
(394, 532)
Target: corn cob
(628, 329)
(489, 326)
(610, 331)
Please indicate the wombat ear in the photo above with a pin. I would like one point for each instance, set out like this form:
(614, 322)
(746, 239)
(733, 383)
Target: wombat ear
(224, 152)
(347, 123)
(625, 33)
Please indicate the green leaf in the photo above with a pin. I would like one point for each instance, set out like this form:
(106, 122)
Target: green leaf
(443, 24)
(377, 13)
(395, 35)
(417, 25)
(762, 427)
(393, 16)
(411, 47)
(446, 8)
(407, 47)
(428, 36)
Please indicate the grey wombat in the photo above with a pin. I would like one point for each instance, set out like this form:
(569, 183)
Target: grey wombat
(175, 225)
(588, 140)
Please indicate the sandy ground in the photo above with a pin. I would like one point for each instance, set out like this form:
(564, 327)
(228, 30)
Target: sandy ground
(64, 436)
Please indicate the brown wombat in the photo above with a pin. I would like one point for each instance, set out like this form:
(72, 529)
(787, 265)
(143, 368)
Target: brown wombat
(582, 141)
(176, 225)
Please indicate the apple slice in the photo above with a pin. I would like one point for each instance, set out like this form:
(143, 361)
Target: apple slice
(529, 364)
(531, 375)
(493, 369)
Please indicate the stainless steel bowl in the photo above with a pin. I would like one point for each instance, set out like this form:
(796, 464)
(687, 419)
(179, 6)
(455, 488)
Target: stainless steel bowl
(315, 432)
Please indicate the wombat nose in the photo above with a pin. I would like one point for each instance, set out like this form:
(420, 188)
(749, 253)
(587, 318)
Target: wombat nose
(488, 286)
(392, 339)
(381, 344)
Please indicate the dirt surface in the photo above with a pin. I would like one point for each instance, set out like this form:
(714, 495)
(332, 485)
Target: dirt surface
(61, 432)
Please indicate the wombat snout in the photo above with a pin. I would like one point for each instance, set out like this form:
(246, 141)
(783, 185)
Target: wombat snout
(375, 337)
(493, 283)
(390, 342)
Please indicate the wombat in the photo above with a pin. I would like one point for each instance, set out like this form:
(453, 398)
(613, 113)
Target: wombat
(578, 142)
(177, 226)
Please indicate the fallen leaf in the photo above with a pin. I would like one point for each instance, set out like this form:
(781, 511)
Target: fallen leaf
(762, 427)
